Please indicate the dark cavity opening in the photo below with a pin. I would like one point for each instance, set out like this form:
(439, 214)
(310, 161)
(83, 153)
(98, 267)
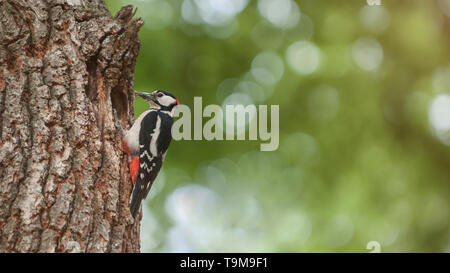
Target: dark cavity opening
(91, 89)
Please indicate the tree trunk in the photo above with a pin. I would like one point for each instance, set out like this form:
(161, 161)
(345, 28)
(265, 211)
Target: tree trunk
(64, 180)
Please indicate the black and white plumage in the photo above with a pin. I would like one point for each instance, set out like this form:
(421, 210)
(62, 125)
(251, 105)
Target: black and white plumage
(149, 138)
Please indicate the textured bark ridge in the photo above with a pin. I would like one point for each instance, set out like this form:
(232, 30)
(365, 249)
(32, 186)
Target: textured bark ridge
(64, 182)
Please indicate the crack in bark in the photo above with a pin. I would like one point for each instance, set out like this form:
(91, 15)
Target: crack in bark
(24, 160)
(91, 88)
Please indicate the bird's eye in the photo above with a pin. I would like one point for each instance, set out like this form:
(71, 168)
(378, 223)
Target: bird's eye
(160, 95)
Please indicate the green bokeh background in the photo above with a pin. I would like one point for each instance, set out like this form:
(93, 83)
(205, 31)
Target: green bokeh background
(364, 125)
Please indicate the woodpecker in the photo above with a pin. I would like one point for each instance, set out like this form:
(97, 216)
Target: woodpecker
(147, 141)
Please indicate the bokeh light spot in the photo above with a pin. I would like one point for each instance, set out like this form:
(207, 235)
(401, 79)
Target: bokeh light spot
(252, 89)
(191, 204)
(367, 53)
(212, 12)
(267, 68)
(303, 57)
(281, 13)
(375, 19)
(439, 116)
(440, 113)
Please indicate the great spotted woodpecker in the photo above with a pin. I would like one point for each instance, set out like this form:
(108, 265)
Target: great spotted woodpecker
(147, 142)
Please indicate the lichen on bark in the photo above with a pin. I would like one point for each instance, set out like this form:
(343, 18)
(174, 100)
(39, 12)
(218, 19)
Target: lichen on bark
(64, 183)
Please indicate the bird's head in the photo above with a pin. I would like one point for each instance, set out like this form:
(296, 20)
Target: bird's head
(159, 99)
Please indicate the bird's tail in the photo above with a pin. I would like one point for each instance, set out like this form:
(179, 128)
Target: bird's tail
(136, 198)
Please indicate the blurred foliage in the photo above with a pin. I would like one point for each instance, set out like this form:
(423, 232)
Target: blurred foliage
(364, 124)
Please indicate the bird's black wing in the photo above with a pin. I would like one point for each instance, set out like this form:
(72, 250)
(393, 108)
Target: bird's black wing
(165, 132)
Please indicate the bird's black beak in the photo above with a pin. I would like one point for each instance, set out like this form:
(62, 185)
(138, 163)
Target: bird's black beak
(146, 96)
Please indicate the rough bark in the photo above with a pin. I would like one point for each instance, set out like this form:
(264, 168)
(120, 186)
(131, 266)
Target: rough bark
(64, 182)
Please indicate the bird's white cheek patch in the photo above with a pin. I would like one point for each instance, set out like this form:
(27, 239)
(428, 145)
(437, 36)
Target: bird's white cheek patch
(166, 100)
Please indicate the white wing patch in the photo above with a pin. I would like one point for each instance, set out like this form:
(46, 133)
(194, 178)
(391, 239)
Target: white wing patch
(155, 135)
(144, 165)
(145, 153)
